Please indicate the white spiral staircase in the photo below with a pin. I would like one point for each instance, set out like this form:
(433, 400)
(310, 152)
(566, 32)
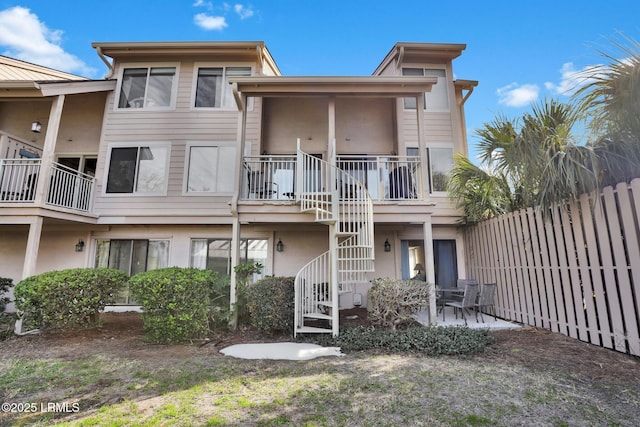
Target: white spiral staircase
(343, 203)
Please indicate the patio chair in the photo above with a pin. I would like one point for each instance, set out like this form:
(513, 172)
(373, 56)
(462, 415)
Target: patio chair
(468, 300)
(485, 299)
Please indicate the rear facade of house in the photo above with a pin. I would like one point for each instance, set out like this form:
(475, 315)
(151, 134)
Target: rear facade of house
(202, 154)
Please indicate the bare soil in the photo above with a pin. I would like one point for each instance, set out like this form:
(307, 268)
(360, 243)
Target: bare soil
(121, 334)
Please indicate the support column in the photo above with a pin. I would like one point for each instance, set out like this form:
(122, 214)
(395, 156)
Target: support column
(235, 260)
(430, 267)
(33, 244)
(48, 150)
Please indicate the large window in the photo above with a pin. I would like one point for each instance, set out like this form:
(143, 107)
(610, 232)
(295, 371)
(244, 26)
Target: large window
(210, 168)
(138, 169)
(132, 257)
(438, 98)
(440, 165)
(147, 87)
(215, 254)
(212, 88)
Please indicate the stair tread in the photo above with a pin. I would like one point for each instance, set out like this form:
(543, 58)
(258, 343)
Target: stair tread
(318, 316)
(313, 330)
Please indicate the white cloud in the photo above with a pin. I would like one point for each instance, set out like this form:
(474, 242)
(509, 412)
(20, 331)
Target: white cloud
(515, 95)
(201, 3)
(25, 37)
(570, 80)
(243, 11)
(208, 22)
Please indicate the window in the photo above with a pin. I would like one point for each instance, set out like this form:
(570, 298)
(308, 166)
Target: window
(210, 90)
(140, 169)
(210, 168)
(438, 98)
(147, 87)
(440, 165)
(215, 254)
(132, 257)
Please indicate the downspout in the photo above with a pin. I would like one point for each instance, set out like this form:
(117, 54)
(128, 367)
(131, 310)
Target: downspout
(108, 63)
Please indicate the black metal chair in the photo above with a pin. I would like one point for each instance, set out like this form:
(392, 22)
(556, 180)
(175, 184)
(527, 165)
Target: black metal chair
(485, 300)
(468, 300)
(259, 187)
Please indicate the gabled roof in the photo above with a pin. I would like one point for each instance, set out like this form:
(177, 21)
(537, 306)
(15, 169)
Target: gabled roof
(403, 52)
(16, 70)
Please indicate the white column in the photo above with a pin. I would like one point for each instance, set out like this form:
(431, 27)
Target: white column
(49, 150)
(430, 267)
(422, 147)
(33, 244)
(235, 260)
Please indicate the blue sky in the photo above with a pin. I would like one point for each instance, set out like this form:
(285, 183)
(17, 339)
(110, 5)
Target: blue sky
(520, 51)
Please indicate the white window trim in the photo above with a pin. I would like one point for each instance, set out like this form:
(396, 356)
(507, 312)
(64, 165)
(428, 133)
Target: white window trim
(185, 172)
(448, 145)
(223, 65)
(447, 80)
(138, 144)
(148, 65)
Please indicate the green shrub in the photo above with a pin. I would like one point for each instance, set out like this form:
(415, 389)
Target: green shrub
(271, 303)
(175, 302)
(430, 340)
(68, 298)
(5, 285)
(393, 302)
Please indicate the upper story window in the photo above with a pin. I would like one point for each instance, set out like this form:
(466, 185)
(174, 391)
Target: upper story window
(139, 169)
(147, 87)
(212, 88)
(438, 98)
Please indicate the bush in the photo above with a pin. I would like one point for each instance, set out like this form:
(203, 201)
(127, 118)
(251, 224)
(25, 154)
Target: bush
(271, 304)
(176, 302)
(393, 302)
(68, 298)
(430, 340)
(5, 285)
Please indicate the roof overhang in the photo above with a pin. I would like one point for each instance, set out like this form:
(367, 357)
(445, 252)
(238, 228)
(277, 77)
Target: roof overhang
(253, 51)
(404, 52)
(382, 86)
(42, 89)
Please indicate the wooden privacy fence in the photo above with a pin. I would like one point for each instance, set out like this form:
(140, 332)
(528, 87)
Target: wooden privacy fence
(575, 271)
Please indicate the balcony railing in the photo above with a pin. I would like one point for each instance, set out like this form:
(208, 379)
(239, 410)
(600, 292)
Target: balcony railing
(67, 188)
(385, 177)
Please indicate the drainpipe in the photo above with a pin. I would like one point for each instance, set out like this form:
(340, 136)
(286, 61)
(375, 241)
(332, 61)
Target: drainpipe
(107, 62)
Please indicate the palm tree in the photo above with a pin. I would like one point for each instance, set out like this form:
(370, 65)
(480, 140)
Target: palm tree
(534, 161)
(610, 102)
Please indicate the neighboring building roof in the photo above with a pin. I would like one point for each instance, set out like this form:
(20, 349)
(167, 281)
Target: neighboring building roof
(16, 70)
(403, 52)
(255, 51)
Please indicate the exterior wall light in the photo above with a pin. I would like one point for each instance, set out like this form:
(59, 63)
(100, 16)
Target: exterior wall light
(80, 246)
(36, 126)
(279, 246)
(387, 246)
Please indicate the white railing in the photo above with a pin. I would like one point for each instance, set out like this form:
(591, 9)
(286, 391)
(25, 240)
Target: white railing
(386, 177)
(69, 188)
(12, 147)
(313, 291)
(269, 178)
(18, 178)
(272, 177)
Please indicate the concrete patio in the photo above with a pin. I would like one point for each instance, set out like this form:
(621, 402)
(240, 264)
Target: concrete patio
(451, 320)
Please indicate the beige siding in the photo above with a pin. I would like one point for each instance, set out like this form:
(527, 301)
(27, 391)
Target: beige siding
(177, 127)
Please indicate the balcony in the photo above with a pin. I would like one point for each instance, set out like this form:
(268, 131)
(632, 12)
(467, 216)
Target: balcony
(67, 188)
(387, 178)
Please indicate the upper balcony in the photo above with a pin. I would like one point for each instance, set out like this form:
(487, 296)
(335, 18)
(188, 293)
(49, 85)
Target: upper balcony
(386, 178)
(65, 189)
